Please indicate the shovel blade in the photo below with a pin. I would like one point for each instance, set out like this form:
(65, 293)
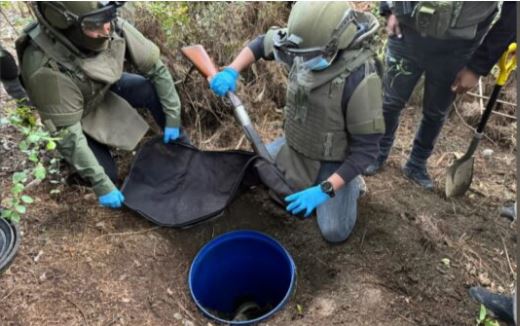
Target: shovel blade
(459, 176)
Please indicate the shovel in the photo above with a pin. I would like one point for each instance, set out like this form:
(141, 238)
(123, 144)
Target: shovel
(200, 58)
(460, 173)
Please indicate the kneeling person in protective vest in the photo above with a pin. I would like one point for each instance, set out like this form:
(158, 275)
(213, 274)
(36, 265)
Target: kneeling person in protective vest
(72, 66)
(333, 112)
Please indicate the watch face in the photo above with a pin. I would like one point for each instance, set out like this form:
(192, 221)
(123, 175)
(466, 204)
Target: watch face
(327, 188)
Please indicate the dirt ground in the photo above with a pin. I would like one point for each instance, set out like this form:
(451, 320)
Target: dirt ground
(80, 264)
(83, 264)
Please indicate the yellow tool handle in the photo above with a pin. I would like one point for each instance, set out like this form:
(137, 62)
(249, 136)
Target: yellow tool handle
(506, 64)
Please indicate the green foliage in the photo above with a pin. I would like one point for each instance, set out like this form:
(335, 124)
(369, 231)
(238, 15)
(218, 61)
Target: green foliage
(484, 320)
(173, 17)
(35, 144)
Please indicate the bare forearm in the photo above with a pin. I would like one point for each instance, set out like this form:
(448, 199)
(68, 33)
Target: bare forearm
(244, 59)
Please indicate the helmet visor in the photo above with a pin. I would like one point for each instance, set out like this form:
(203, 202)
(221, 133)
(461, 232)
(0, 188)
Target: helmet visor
(286, 50)
(287, 46)
(96, 20)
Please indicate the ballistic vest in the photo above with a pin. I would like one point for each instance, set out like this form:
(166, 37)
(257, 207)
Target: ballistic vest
(315, 123)
(69, 87)
(445, 19)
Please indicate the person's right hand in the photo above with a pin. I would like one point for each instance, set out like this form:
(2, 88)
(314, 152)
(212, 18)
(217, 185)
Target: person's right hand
(224, 81)
(392, 26)
(113, 199)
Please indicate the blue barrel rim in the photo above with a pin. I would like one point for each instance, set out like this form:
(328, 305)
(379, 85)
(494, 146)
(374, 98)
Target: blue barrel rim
(230, 234)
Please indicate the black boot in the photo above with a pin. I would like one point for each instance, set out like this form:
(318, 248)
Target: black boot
(500, 306)
(509, 211)
(373, 168)
(418, 174)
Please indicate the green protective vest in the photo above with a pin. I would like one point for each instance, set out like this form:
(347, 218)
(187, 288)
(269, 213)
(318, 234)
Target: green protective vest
(67, 87)
(316, 126)
(446, 19)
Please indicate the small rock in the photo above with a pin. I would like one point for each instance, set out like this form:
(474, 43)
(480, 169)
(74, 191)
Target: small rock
(446, 262)
(487, 153)
(90, 197)
(188, 323)
(37, 257)
(101, 226)
(169, 291)
(177, 316)
(484, 279)
(43, 277)
(125, 300)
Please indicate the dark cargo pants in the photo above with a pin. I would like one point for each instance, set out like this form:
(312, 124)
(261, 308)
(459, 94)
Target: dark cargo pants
(407, 59)
(139, 92)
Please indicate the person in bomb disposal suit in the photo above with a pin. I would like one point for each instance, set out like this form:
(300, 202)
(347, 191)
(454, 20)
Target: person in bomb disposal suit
(333, 112)
(71, 64)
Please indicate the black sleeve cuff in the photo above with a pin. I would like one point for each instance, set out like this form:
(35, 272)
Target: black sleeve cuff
(257, 47)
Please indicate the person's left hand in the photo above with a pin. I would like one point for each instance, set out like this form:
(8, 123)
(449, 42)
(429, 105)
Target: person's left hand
(465, 80)
(171, 134)
(306, 200)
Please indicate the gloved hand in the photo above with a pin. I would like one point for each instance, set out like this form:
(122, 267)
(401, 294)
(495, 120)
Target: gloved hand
(171, 134)
(113, 199)
(224, 81)
(306, 200)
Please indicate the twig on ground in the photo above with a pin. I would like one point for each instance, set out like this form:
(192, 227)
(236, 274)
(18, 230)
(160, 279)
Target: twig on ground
(128, 233)
(470, 127)
(240, 142)
(436, 164)
(79, 308)
(186, 311)
(487, 98)
(363, 239)
(507, 256)
(8, 294)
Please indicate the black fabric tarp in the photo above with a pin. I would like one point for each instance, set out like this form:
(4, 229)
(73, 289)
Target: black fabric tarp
(178, 185)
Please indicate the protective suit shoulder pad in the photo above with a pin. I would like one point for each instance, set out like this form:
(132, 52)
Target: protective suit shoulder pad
(55, 96)
(365, 107)
(144, 54)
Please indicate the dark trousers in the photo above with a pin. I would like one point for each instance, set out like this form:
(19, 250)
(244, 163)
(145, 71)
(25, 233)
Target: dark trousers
(140, 93)
(406, 60)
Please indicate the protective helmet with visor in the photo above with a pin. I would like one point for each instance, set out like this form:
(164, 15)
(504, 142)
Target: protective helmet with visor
(80, 19)
(288, 46)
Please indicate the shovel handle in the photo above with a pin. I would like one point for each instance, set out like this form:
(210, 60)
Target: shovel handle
(506, 64)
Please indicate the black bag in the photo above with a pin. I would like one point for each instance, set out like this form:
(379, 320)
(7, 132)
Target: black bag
(178, 185)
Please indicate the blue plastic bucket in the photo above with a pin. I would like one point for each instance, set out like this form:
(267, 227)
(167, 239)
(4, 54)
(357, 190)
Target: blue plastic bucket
(242, 269)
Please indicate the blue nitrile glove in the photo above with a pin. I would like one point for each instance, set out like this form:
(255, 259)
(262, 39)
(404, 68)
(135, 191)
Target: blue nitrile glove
(171, 134)
(113, 199)
(306, 200)
(224, 81)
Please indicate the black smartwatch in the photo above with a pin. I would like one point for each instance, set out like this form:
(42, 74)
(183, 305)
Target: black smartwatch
(327, 188)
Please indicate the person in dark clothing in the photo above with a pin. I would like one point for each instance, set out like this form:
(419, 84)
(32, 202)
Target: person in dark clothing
(333, 113)
(487, 54)
(485, 57)
(9, 75)
(445, 47)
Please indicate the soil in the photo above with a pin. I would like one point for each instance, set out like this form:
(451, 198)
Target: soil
(409, 261)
